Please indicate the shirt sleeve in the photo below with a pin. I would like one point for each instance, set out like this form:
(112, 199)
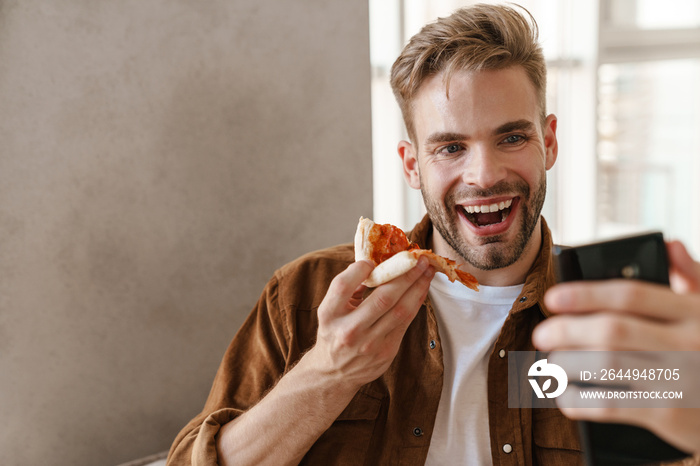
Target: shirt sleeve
(256, 358)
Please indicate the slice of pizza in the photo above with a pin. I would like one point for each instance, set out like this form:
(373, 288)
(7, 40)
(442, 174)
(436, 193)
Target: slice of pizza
(393, 255)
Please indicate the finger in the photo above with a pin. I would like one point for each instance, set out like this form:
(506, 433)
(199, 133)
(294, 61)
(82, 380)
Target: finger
(343, 293)
(604, 332)
(387, 295)
(393, 324)
(620, 296)
(685, 272)
(358, 296)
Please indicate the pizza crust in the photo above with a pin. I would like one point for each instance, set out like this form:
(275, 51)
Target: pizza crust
(395, 266)
(363, 248)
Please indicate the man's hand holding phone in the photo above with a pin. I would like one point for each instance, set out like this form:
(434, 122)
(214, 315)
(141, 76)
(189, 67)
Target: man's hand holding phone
(620, 314)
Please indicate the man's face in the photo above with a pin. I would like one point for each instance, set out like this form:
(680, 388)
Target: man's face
(480, 159)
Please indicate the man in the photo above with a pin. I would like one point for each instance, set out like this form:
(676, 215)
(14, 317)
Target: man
(414, 372)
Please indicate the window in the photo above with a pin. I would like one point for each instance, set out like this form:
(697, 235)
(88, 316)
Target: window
(648, 112)
(622, 79)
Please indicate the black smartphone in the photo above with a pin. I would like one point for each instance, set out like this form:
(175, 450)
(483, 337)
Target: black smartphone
(641, 257)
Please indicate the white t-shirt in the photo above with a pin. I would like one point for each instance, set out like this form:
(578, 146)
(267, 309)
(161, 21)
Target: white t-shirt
(469, 323)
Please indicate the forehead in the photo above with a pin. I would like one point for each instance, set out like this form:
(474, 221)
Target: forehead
(474, 101)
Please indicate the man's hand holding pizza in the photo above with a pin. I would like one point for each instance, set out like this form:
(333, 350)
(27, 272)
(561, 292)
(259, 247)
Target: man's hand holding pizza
(358, 337)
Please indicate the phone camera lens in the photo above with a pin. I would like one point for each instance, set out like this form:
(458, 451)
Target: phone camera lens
(630, 271)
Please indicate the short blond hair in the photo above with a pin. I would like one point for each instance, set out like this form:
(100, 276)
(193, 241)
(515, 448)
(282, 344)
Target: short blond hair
(476, 38)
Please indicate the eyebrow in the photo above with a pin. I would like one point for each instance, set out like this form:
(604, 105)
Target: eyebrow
(437, 138)
(517, 125)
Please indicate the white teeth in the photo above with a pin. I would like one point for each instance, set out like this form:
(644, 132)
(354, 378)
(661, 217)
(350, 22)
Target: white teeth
(472, 209)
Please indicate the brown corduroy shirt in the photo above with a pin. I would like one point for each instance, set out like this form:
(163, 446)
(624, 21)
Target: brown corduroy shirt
(389, 421)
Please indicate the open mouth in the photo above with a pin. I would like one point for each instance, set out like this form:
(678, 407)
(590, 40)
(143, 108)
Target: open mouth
(488, 214)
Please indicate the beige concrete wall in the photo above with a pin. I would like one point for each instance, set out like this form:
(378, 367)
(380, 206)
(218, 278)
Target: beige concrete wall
(158, 160)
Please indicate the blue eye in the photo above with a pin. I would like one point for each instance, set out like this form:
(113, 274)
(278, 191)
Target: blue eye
(451, 149)
(514, 139)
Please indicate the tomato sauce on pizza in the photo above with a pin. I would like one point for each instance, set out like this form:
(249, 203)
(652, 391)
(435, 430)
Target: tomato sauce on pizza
(387, 240)
(394, 254)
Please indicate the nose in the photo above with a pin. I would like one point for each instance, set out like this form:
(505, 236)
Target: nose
(484, 167)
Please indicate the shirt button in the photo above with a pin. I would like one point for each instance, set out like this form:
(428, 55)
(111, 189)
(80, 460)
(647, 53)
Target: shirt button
(502, 353)
(417, 431)
(433, 344)
(523, 299)
(507, 448)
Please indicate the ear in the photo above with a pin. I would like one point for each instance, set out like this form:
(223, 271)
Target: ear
(410, 164)
(550, 141)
